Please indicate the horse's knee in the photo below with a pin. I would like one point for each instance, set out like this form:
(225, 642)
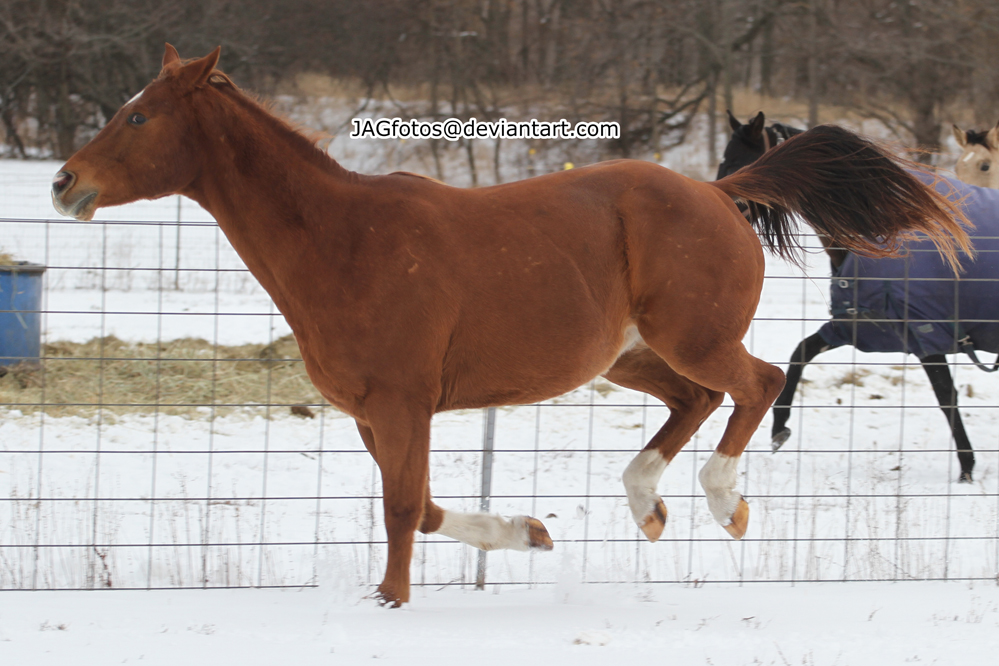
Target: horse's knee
(402, 518)
(403, 511)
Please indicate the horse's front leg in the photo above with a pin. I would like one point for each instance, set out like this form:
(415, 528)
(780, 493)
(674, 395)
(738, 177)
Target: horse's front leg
(398, 436)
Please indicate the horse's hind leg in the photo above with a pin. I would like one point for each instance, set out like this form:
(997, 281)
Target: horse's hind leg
(712, 355)
(689, 404)
(943, 386)
(803, 354)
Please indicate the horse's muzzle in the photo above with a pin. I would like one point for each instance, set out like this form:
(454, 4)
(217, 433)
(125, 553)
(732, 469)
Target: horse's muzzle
(62, 182)
(79, 204)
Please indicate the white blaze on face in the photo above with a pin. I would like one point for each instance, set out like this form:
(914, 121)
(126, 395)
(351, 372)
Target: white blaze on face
(135, 97)
(967, 158)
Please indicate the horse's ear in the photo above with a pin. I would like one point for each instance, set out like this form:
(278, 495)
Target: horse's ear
(756, 124)
(960, 135)
(733, 121)
(992, 138)
(170, 55)
(195, 73)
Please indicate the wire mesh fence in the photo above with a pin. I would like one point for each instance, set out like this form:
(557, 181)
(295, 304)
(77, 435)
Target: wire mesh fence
(168, 437)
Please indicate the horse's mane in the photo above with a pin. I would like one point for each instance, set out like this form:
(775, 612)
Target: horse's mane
(304, 141)
(785, 131)
(977, 138)
(780, 132)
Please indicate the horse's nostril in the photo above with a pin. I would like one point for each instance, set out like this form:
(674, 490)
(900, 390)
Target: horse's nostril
(62, 181)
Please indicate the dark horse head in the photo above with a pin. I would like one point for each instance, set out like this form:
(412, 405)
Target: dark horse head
(750, 141)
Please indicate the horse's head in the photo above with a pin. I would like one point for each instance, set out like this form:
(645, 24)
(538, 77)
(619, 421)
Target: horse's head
(979, 163)
(147, 150)
(745, 147)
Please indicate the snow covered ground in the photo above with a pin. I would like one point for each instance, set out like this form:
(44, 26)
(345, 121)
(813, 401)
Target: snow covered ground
(863, 491)
(856, 624)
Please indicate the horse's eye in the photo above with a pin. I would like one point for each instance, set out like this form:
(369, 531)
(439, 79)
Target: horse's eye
(136, 119)
(985, 166)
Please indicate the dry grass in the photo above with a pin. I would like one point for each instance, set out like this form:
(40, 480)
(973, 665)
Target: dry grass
(177, 377)
(6, 259)
(854, 377)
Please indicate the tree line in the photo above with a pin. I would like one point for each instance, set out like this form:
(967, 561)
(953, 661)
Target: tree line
(651, 65)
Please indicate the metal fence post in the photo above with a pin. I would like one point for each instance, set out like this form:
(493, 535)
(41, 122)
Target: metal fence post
(176, 271)
(488, 437)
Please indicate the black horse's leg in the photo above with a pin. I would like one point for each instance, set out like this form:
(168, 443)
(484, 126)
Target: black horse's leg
(943, 385)
(807, 349)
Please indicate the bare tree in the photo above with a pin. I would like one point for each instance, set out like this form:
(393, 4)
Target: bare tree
(650, 65)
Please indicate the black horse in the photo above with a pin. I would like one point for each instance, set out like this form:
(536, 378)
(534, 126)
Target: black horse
(893, 332)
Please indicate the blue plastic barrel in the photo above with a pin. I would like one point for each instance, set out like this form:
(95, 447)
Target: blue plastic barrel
(20, 313)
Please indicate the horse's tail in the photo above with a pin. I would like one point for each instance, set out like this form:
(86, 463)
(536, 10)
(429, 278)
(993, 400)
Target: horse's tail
(849, 189)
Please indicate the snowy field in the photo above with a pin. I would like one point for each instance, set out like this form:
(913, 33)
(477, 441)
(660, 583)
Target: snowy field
(863, 491)
(855, 624)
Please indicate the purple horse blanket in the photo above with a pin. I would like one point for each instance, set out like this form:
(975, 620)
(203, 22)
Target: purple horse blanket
(915, 303)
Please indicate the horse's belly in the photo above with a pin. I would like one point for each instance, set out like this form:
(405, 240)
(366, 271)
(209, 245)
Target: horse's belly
(512, 376)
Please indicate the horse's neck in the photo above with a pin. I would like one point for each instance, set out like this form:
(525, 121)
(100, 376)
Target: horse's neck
(252, 157)
(272, 195)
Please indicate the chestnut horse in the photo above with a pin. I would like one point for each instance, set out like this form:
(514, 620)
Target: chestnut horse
(409, 297)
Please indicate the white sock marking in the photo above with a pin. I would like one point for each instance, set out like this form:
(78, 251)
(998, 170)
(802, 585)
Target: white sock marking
(640, 480)
(486, 531)
(718, 478)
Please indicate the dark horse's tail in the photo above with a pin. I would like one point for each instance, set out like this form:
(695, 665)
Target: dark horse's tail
(849, 189)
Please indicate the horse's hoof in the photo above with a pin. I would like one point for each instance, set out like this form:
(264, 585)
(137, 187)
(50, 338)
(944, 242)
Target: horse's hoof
(740, 521)
(779, 438)
(965, 478)
(654, 523)
(537, 535)
(386, 598)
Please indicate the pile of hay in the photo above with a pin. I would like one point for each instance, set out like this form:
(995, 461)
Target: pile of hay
(177, 377)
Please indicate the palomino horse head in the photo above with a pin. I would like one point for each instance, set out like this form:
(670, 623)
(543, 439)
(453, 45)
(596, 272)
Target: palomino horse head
(979, 163)
(146, 151)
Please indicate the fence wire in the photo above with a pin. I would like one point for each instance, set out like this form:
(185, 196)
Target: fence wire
(168, 438)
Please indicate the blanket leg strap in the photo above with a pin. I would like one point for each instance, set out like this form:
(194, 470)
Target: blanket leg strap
(969, 348)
